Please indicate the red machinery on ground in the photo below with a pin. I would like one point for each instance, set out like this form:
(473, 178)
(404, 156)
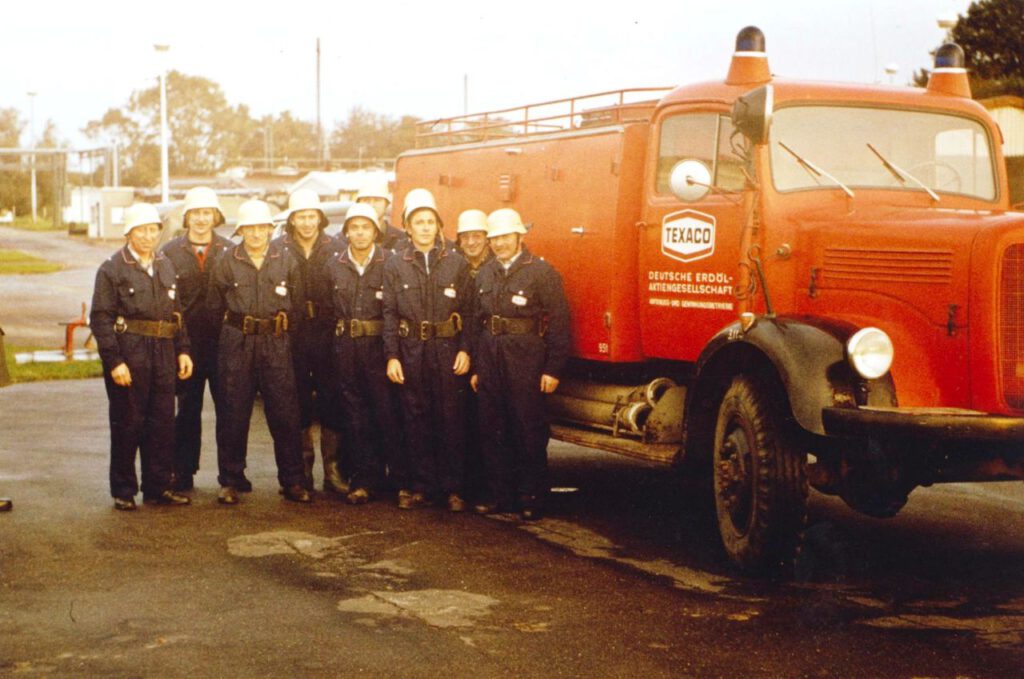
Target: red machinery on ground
(773, 283)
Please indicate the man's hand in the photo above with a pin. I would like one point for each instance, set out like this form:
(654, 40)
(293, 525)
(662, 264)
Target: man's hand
(184, 366)
(461, 366)
(121, 375)
(474, 382)
(395, 373)
(548, 384)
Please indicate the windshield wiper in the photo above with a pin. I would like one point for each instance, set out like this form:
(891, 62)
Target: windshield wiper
(816, 171)
(902, 175)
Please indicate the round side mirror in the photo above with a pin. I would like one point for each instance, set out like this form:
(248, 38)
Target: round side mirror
(690, 180)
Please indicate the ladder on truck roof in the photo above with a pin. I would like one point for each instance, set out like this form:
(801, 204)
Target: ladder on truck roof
(590, 110)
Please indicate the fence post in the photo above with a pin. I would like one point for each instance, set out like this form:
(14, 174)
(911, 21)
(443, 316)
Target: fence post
(5, 377)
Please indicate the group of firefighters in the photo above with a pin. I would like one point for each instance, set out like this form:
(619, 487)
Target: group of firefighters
(424, 361)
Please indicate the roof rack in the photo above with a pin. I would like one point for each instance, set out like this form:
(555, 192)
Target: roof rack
(590, 110)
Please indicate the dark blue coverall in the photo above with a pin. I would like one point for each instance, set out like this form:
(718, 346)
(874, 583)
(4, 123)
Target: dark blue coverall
(367, 399)
(416, 301)
(194, 266)
(142, 414)
(310, 338)
(255, 352)
(509, 358)
(474, 485)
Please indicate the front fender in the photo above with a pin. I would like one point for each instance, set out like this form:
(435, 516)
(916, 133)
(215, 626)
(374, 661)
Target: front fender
(808, 356)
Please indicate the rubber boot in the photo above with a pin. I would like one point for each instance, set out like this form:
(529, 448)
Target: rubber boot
(308, 456)
(334, 482)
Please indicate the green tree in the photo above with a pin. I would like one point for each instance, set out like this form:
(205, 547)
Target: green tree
(204, 130)
(992, 37)
(15, 182)
(365, 134)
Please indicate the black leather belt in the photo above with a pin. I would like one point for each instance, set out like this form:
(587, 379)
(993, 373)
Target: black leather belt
(502, 325)
(250, 325)
(353, 327)
(164, 329)
(427, 330)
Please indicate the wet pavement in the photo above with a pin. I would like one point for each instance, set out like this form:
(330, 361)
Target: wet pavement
(624, 578)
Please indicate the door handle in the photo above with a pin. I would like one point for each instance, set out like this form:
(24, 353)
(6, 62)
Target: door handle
(578, 230)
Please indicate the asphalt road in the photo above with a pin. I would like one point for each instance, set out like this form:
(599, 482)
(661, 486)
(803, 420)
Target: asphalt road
(624, 578)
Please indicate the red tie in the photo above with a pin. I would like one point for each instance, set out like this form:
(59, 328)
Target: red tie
(201, 251)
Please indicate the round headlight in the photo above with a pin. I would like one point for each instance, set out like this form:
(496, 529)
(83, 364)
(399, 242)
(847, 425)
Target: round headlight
(870, 352)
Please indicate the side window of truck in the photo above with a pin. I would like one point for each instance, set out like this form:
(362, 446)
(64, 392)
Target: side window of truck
(698, 136)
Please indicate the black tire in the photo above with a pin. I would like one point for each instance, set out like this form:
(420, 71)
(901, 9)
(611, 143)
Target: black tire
(760, 479)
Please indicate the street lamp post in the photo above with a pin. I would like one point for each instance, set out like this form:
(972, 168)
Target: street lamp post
(164, 173)
(32, 145)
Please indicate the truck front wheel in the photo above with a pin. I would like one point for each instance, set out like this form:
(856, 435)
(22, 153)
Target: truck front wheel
(760, 480)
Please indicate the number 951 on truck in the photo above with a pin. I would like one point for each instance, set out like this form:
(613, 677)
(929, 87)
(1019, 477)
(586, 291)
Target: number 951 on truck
(774, 284)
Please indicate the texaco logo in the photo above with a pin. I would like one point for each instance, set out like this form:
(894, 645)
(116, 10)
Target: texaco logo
(688, 235)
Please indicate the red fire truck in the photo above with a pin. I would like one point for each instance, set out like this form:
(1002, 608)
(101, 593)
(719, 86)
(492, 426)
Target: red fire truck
(774, 284)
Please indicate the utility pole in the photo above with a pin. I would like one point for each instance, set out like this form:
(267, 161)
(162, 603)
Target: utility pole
(32, 145)
(164, 172)
(319, 129)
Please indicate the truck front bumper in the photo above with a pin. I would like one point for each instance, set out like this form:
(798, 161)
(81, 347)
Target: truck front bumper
(937, 424)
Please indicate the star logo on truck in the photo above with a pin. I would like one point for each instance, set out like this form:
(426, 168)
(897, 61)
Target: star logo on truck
(688, 235)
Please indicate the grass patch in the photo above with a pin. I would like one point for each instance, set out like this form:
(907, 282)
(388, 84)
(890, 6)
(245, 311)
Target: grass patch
(18, 262)
(37, 372)
(24, 222)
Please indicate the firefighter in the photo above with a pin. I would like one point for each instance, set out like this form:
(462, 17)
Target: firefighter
(521, 348)
(375, 194)
(193, 254)
(257, 288)
(427, 293)
(304, 237)
(471, 239)
(136, 320)
(355, 280)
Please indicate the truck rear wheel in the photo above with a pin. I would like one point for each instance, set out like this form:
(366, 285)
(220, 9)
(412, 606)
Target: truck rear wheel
(760, 480)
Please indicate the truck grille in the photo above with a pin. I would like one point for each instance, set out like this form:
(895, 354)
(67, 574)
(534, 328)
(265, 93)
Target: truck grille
(1011, 326)
(890, 266)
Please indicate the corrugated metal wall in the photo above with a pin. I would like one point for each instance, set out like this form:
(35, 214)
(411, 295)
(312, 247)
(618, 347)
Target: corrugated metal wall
(1011, 122)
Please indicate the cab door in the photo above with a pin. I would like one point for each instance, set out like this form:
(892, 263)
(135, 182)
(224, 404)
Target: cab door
(689, 251)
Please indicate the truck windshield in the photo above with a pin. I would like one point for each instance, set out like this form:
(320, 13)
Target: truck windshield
(947, 153)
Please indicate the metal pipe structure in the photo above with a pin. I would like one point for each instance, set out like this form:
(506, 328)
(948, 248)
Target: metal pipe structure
(621, 409)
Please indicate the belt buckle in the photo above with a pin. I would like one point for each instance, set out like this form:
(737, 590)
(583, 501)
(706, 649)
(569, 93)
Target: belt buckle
(120, 325)
(403, 328)
(425, 328)
(339, 328)
(355, 328)
(248, 325)
(495, 325)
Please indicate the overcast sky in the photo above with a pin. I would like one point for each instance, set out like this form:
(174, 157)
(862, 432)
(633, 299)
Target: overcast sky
(410, 57)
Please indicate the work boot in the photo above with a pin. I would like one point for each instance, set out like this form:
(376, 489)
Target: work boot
(297, 493)
(308, 456)
(334, 482)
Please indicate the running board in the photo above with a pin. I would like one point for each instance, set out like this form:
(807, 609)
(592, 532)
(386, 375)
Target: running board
(661, 453)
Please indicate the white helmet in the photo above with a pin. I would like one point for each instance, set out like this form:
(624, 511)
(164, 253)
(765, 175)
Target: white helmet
(361, 210)
(200, 197)
(418, 199)
(140, 214)
(253, 212)
(374, 188)
(472, 220)
(306, 199)
(504, 221)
